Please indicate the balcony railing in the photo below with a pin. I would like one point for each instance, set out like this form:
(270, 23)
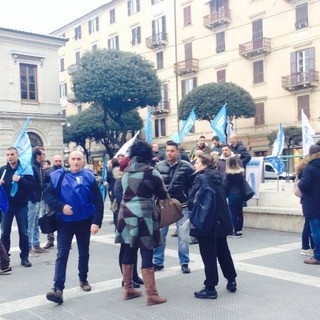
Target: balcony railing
(217, 18)
(163, 107)
(187, 67)
(157, 40)
(300, 80)
(255, 48)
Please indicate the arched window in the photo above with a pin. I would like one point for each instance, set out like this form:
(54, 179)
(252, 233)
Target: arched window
(35, 139)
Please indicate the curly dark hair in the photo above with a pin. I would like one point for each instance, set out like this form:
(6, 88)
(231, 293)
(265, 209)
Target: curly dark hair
(141, 149)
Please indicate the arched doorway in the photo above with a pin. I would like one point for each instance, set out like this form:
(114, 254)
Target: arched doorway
(35, 140)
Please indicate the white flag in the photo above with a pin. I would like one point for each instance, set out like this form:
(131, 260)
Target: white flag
(125, 148)
(307, 134)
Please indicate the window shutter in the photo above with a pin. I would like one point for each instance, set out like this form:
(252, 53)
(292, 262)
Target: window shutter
(187, 15)
(188, 51)
(165, 92)
(90, 26)
(163, 127)
(293, 62)
(139, 34)
(164, 26)
(156, 128)
(109, 43)
(138, 5)
(303, 104)
(259, 116)
(194, 82)
(97, 23)
(183, 88)
(117, 42)
(129, 7)
(153, 27)
(311, 54)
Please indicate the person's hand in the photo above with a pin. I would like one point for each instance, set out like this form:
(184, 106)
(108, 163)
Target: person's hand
(94, 228)
(16, 178)
(106, 184)
(1, 181)
(67, 210)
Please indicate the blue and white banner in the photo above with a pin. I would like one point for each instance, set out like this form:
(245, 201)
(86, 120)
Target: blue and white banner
(307, 134)
(278, 144)
(254, 174)
(24, 148)
(103, 188)
(229, 131)
(187, 126)
(126, 147)
(148, 127)
(219, 123)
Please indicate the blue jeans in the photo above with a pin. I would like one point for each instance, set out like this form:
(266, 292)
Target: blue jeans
(21, 214)
(65, 233)
(307, 241)
(236, 211)
(33, 225)
(183, 246)
(315, 232)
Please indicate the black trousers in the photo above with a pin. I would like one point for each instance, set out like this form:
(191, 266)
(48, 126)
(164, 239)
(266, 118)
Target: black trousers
(129, 256)
(212, 248)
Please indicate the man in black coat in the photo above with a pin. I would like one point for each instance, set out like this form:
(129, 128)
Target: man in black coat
(240, 150)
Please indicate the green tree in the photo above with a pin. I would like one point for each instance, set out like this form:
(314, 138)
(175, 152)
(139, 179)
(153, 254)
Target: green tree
(209, 98)
(292, 136)
(86, 127)
(117, 82)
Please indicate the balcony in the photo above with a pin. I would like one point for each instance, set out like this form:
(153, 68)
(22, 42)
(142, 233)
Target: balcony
(217, 19)
(255, 48)
(300, 81)
(158, 40)
(186, 67)
(163, 107)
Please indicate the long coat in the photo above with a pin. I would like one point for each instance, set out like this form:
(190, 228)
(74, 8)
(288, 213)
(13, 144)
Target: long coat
(137, 222)
(215, 179)
(310, 186)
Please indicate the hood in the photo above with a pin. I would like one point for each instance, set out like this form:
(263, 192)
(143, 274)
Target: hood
(222, 157)
(214, 176)
(138, 164)
(315, 162)
(234, 171)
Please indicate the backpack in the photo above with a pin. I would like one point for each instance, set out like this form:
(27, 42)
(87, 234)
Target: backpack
(203, 213)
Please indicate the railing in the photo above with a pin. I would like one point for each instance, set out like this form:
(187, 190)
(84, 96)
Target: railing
(255, 47)
(300, 80)
(217, 18)
(187, 66)
(162, 107)
(157, 40)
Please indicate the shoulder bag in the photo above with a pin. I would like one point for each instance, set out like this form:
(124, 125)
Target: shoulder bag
(246, 191)
(296, 190)
(48, 222)
(169, 209)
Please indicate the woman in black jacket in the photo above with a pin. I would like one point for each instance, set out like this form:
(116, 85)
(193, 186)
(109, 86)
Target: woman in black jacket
(213, 243)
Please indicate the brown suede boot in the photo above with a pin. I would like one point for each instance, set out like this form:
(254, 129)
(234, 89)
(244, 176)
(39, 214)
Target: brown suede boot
(152, 296)
(129, 291)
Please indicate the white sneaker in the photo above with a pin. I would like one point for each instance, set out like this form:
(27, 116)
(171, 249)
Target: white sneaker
(307, 252)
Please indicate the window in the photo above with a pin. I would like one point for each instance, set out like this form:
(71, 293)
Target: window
(301, 16)
(302, 65)
(136, 36)
(257, 34)
(259, 117)
(93, 25)
(77, 54)
(303, 104)
(112, 14)
(218, 6)
(113, 43)
(77, 33)
(164, 96)
(35, 139)
(160, 127)
(188, 52)
(94, 47)
(221, 76)
(187, 85)
(61, 63)
(133, 7)
(28, 82)
(160, 60)
(153, 2)
(258, 76)
(159, 27)
(220, 42)
(63, 90)
(187, 15)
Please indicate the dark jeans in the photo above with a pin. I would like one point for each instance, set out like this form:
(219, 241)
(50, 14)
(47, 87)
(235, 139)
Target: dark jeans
(21, 214)
(315, 232)
(4, 258)
(236, 211)
(212, 248)
(65, 233)
(129, 256)
(307, 242)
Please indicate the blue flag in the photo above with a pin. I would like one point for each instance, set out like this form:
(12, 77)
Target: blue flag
(103, 188)
(187, 125)
(278, 144)
(24, 148)
(219, 123)
(148, 128)
(4, 205)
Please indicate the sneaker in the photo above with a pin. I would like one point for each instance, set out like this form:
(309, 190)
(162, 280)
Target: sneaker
(206, 293)
(157, 267)
(26, 263)
(307, 252)
(185, 268)
(85, 286)
(232, 286)
(174, 234)
(55, 295)
(48, 245)
(236, 235)
(311, 261)
(8, 270)
(38, 249)
(32, 253)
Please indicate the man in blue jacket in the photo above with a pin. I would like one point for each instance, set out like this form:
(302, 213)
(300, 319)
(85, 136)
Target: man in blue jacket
(79, 209)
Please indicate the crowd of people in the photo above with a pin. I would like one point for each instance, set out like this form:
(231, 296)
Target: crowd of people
(134, 182)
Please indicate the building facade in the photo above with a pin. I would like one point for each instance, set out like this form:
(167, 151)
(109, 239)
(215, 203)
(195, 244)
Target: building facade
(269, 48)
(29, 87)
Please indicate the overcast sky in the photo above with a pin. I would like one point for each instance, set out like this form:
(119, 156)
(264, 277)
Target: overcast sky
(43, 16)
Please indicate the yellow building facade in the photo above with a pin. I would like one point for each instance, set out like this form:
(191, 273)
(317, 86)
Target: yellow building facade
(269, 48)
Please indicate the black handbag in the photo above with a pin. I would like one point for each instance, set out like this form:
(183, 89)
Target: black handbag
(48, 222)
(246, 191)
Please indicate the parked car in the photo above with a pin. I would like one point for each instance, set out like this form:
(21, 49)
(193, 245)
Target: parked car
(270, 172)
